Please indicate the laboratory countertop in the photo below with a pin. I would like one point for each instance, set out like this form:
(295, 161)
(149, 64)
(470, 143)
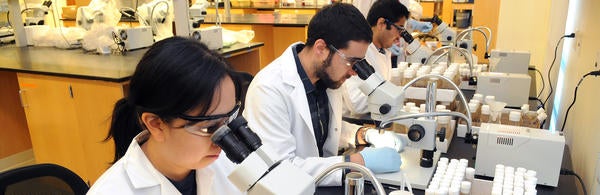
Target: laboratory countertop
(77, 64)
(459, 149)
(269, 19)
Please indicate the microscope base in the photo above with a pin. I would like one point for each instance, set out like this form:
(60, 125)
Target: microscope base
(418, 176)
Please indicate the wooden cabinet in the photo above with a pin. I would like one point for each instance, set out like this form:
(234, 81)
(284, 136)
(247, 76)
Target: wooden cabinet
(68, 120)
(14, 134)
(483, 13)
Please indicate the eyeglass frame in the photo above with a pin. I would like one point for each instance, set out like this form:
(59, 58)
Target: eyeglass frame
(399, 28)
(204, 131)
(343, 56)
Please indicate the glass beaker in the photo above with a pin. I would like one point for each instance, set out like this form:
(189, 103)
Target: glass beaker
(354, 184)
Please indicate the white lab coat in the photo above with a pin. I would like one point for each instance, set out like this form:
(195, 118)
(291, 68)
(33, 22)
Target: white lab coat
(134, 174)
(354, 99)
(277, 110)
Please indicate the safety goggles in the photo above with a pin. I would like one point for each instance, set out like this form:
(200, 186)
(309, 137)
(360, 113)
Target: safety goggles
(350, 61)
(399, 28)
(214, 122)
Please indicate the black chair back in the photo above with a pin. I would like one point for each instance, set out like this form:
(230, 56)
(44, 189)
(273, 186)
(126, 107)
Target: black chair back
(41, 179)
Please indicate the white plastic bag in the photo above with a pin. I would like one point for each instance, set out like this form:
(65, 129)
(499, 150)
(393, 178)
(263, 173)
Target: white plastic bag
(231, 37)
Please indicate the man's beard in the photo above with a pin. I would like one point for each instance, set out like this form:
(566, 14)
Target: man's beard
(324, 77)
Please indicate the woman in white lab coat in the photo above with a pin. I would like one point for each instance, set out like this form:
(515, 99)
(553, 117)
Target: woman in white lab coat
(180, 93)
(385, 17)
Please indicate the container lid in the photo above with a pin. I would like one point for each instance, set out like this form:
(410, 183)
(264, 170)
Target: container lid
(473, 107)
(415, 65)
(542, 116)
(541, 110)
(478, 96)
(525, 108)
(489, 99)
(411, 104)
(414, 110)
(440, 107)
(422, 107)
(403, 65)
(514, 116)
(485, 109)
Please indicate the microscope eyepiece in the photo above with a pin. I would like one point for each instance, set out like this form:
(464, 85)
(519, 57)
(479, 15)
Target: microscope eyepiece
(363, 69)
(407, 37)
(436, 20)
(235, 150)
(240, 128)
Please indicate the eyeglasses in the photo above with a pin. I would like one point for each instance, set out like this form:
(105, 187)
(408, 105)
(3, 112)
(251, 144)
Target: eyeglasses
(399, 28)
(214, 122)
(349, 61)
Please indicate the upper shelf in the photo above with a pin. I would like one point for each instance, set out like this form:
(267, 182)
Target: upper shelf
(463, 6)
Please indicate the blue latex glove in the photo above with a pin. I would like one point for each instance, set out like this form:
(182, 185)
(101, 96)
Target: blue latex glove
(381, 160)
(424, 27)
(396, 50)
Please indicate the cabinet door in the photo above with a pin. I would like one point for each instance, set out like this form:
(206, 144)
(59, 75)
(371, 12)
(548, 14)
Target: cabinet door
(94, 103)
(52, 121)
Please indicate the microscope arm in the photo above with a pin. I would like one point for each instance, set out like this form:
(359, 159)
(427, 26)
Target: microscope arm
(487, 39)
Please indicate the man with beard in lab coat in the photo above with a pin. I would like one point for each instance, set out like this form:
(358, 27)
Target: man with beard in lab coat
(387, 18)
(293, 104)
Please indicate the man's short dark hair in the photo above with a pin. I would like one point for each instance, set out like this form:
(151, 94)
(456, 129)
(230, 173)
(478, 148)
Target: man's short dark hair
(338, 24)
(392, 10)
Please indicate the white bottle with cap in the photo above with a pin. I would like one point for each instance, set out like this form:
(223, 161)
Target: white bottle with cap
(478, 97)
(465, 188)
(422, 82)
(474, 115)
(514, 118)
(409, 74)
(439, 107)
(485, 114)
(489, 99)
(396, 77)
(408, 106)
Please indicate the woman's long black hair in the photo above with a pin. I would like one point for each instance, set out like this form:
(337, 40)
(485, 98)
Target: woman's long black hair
(174, 76)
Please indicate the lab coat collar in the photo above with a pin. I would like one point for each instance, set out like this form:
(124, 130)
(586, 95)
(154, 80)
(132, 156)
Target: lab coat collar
(140, 171)
(290, 77)
(385, 50)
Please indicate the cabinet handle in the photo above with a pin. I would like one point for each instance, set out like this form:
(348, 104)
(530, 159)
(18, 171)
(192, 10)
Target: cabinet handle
(71, 91)
(21, 93)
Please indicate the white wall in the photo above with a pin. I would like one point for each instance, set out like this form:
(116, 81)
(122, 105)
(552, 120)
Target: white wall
(536, 26)
(582, 128)
(522, 26)
(529, 26)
